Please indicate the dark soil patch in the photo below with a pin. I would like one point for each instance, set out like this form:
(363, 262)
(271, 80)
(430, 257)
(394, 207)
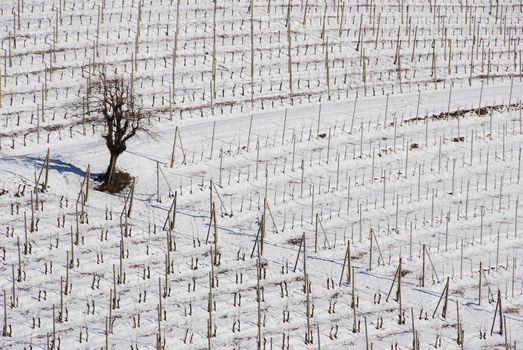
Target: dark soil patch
(120, 181)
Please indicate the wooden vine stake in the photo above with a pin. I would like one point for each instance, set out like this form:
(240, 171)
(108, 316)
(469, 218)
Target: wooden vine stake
(498, 309)
(214, 63)
(258, 301)
(327, 69)
(397, 277)
(445, 296)
(0, 89)
(5, 327)
(210, 333)
(175, 49)
(346, 264)
(308, 331)
(251, 7)
(171, 214)
(289, 46)
(177, 136)
(459, 328)
(45, 172)
(216, 251)
(302, 246)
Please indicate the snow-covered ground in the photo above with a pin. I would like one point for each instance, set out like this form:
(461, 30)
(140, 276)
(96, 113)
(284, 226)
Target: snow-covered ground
(373, 168)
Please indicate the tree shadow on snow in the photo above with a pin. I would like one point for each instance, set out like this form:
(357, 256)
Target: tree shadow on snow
(54, 164)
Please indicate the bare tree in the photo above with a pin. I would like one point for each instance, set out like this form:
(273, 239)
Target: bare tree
(111, 101)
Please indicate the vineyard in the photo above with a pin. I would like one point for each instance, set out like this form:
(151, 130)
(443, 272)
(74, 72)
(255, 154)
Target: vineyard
(314, 174)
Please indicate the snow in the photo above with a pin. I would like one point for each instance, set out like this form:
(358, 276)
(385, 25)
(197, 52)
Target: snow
(381, 164)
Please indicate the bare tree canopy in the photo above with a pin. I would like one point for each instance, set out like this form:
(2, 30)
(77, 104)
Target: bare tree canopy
(111, 100)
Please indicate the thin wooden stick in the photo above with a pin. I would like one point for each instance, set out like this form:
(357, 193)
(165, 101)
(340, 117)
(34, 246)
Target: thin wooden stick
(346, 262)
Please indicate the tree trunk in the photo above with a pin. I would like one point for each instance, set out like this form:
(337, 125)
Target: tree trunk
(109, 174)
